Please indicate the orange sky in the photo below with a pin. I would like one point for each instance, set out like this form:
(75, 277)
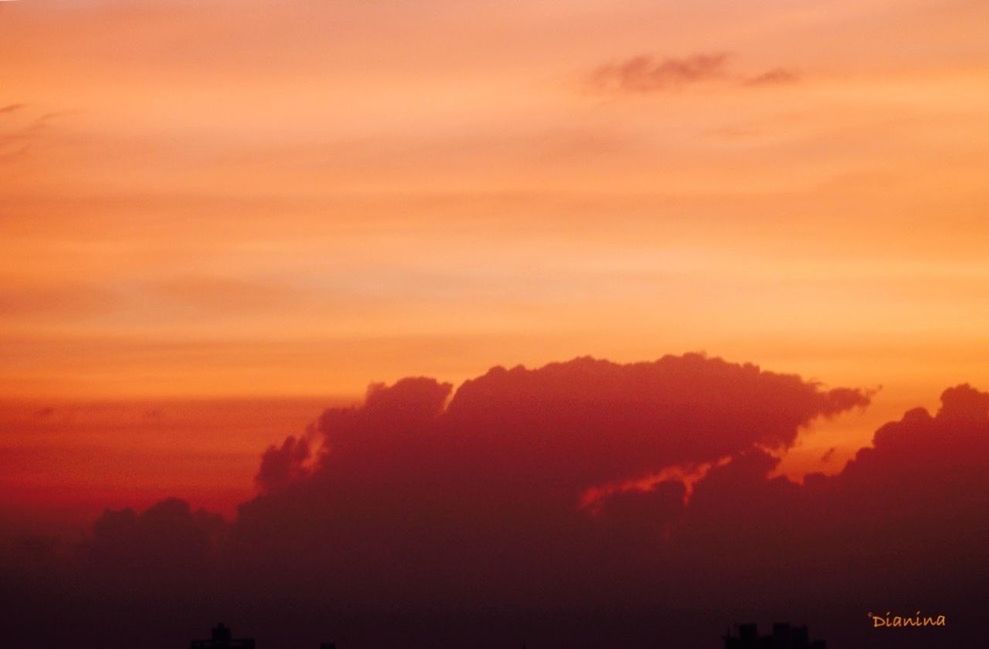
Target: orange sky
(248, 200)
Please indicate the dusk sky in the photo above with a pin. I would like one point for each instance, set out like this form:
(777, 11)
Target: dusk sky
(219, 218)
(249, 199)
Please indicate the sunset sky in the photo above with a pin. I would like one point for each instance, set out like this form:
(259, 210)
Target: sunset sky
(214, 209)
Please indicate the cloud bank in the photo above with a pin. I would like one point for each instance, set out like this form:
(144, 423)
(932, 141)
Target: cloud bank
(427, 515)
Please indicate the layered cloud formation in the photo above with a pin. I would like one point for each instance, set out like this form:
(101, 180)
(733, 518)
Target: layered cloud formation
(466, 509)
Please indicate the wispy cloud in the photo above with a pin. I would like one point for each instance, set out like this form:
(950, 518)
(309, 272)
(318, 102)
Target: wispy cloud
(645, 73)
(15, 140)
(774, 77)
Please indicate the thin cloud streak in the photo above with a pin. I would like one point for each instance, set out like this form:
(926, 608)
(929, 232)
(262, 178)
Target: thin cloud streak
(645, 73)
(774, 77)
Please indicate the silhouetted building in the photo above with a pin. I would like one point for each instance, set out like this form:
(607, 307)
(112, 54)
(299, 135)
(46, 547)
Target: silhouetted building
(783, 636)
(222, 638)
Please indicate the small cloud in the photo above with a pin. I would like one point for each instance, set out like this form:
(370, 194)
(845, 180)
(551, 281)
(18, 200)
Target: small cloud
(774, 77)
(645, 73)
(828, 455)
(16, 139)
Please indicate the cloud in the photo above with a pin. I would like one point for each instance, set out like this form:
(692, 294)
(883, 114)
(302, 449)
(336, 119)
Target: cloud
(645, 73)
(435, 515)
(280, 466)
(473, 497)
(14, 142)
(165, 538)
(774, 77)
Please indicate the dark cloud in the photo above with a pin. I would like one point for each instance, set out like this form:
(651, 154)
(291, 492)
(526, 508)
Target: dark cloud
(426, 516)
(774, 77)
(645, 73)
(166, 538)
(10, 108)
(283, 465)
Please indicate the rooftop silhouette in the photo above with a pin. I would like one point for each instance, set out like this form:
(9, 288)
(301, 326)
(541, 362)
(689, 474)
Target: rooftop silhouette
(783, 636)
(222, 638)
